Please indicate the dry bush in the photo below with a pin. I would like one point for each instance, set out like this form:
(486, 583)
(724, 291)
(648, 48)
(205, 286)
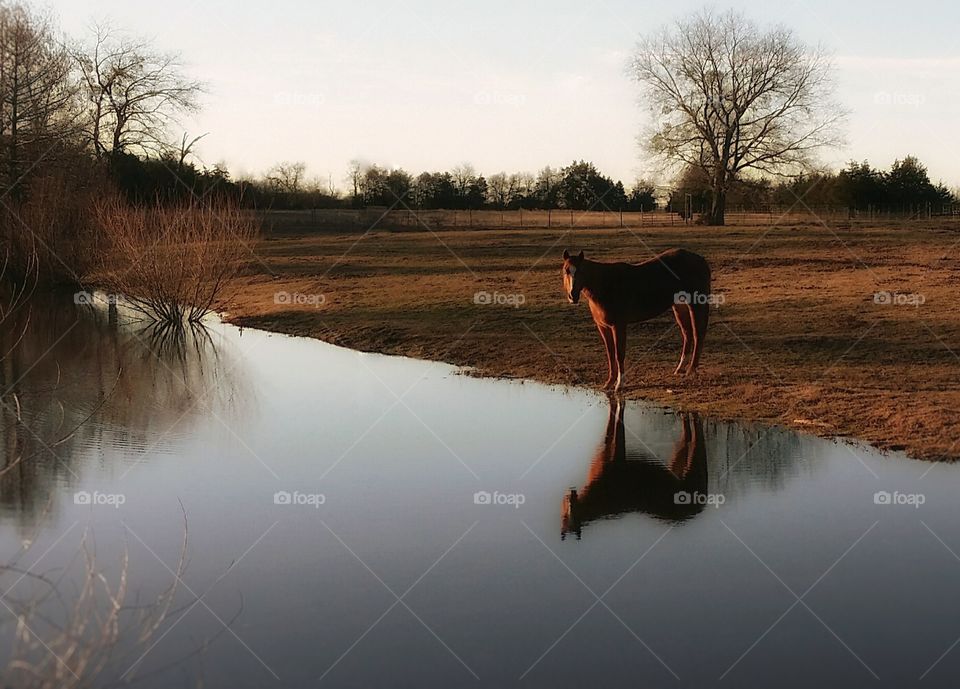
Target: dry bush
(172, 263)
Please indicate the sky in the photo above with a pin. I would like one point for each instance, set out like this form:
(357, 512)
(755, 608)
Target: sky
(510, 85)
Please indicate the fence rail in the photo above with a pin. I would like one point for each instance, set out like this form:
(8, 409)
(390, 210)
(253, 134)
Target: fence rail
(349, 219)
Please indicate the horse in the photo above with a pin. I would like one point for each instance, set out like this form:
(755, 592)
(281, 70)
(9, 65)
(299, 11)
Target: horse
(622, 293)
(620, 482)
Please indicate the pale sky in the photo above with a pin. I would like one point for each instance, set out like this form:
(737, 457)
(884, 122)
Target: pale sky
(511, 84)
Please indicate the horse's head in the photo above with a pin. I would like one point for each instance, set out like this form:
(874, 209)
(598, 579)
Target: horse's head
(572, 279)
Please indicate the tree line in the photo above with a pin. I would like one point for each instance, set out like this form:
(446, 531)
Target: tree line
(904, 188)
(578, 186)
(286, 186)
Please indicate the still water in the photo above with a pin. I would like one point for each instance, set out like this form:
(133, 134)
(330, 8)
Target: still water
(242, 509)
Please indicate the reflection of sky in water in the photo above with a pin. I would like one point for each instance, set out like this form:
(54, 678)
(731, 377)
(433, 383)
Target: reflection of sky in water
(260, 413)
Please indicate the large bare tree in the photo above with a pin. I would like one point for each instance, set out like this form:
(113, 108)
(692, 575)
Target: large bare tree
(133, 93)
(732, 98)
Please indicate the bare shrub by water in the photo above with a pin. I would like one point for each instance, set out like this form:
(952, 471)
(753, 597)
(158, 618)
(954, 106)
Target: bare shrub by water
(172, 263)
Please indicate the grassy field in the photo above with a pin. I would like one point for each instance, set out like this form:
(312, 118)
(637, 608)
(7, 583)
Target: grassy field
(800, 339)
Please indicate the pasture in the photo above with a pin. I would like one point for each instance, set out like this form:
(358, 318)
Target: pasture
(836, 328)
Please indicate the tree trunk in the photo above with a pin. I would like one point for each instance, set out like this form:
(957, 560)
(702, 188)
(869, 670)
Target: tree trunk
(718, 203)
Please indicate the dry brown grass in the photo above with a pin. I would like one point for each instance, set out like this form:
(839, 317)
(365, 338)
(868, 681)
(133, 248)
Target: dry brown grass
(799, 341)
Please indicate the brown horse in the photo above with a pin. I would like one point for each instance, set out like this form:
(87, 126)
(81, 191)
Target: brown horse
(622, 293)
(620, 482)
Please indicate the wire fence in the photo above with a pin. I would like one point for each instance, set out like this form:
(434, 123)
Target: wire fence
(350, 219)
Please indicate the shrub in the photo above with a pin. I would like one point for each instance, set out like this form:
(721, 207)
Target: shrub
(172, 263)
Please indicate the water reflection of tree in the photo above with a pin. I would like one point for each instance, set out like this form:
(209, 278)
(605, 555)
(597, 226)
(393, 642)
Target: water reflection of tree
(741, 457)
(746, 457)
(74, 381)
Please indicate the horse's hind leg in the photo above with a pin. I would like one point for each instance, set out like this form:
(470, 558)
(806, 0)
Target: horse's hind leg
(701, 315)
(620, 346)
(682, 314)
(606, 334)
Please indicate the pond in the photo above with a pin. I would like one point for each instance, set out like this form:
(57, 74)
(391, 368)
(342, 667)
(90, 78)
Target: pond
(241, 509)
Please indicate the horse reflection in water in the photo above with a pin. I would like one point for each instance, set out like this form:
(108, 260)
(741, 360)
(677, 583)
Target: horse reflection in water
(618, 485)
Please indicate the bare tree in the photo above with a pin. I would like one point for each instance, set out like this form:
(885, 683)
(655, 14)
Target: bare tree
(498, 189)
(463, 176)
(183, 149)
(133, 93)
(355, 176)
(37, 93)
(729, 97)
(286, 176)
(521, 186)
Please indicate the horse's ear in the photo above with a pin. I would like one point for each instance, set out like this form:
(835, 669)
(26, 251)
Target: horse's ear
(580, 255)
(566, 254)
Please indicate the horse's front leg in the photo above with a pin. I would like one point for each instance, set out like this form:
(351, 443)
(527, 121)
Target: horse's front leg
(606, 334)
